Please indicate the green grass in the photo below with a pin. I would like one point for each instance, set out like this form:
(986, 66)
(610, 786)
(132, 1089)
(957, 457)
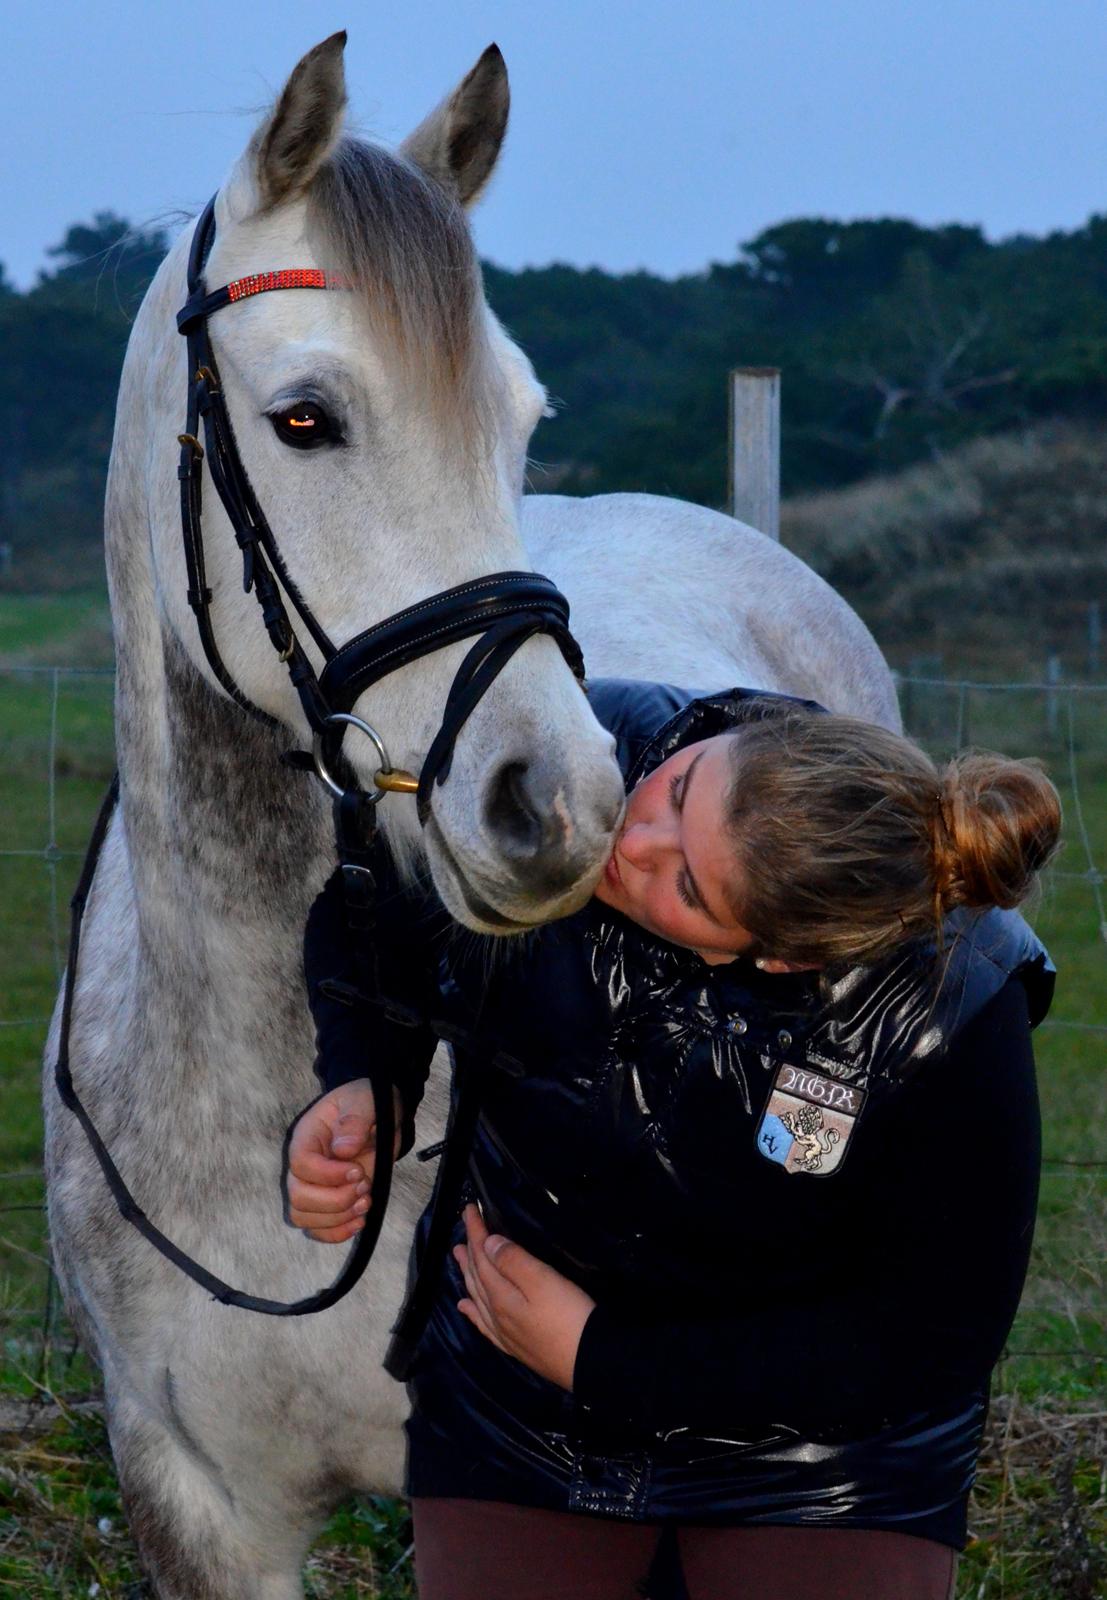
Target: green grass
(60, 1488)
(1058, 1348)
(62, 629)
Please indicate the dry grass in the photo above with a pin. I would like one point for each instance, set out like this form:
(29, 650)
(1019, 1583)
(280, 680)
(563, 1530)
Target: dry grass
(63, 1533)
(1039, 1514)
(1038, 1518)
(1009, 532)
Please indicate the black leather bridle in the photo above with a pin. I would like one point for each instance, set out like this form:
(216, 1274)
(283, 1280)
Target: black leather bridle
(502, 610)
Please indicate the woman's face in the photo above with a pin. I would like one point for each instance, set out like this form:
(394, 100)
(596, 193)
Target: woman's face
(674, 864)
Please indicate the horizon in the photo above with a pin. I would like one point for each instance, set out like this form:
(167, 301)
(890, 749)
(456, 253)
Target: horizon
(169, 229)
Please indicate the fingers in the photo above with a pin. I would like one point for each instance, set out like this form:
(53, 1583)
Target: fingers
(508, 1266)
(469, 1257)
(325, 1195)
(470, 1310)
(325, 1171)
(493, 1295)
(330, 1164)
(475, 1306)
(338, 1235)
(475, 1229)
(312, 1207)
(513, 1266)
(338, 1134)
(358, 1146)
(353, 1138)
(328, 1216)
(478, 1292)
(466, 1255)
(311, 1155)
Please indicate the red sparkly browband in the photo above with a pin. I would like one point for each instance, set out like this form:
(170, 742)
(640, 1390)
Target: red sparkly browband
(200, 305)
(286, 278)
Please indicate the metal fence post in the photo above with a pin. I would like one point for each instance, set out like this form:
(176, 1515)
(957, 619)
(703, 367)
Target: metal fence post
(755, 447)
(1053, 676)
(1095, 633)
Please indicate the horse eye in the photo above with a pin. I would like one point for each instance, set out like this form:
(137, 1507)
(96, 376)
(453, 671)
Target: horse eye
(305, 426)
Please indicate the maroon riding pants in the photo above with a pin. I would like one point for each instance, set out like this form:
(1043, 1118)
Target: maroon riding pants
(484, 1550)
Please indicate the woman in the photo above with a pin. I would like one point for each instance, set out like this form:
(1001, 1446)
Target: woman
(759, 1163)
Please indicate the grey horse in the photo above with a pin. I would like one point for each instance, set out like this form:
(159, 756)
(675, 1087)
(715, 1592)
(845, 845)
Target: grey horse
(235, 1435)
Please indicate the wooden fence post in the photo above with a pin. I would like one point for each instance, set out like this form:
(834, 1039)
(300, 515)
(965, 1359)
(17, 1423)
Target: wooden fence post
(755, 447)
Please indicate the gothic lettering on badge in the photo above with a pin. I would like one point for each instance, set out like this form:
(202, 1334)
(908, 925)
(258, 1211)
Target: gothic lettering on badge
(835, 1095)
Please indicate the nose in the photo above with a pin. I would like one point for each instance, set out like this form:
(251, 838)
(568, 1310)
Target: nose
(527, 812)
(515, 815)
(645, 844)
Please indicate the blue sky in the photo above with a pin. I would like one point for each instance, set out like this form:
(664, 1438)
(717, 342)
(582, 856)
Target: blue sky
(646, 133)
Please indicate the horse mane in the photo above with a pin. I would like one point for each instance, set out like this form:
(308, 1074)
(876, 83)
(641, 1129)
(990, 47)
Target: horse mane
(404, 243)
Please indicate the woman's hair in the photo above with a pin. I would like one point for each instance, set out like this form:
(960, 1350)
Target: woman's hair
(850, 839)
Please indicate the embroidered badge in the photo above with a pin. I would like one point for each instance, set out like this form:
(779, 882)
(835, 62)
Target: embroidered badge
(807, 1121)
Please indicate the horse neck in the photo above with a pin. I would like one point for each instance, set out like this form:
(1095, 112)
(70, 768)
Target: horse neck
(224, 850)
(226, 845)
(222, 840)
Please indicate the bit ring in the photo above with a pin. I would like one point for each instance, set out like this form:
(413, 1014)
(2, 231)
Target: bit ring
(348, 718)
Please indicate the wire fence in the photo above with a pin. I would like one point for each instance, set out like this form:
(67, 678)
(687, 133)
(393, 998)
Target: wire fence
(56, 758)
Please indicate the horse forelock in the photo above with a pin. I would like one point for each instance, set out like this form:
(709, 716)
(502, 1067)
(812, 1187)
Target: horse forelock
(404, 243)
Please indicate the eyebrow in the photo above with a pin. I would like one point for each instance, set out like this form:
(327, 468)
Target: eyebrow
(704, 907)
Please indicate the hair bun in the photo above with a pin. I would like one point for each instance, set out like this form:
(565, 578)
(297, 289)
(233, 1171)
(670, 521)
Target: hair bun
(997, 823)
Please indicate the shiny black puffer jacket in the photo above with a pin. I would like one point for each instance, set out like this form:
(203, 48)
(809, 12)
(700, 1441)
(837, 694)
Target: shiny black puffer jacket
(804, 1209)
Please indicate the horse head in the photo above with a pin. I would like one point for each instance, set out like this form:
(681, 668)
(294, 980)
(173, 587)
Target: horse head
(384, 431)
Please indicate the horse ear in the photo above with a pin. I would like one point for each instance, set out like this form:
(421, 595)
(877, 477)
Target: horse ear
(458, 143)
(291, 145)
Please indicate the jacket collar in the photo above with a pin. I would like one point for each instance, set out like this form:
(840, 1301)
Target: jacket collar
(705, 717)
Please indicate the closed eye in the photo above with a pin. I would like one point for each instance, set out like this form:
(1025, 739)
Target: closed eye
(684, 893)
(684, 889)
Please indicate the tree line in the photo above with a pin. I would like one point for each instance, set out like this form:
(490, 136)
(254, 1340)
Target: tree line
(897, 343)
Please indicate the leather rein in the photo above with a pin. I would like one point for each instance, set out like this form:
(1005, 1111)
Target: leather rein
(502, 611)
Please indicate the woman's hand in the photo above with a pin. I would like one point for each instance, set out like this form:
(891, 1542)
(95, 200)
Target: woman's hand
(524, 1307)
(330, 1162)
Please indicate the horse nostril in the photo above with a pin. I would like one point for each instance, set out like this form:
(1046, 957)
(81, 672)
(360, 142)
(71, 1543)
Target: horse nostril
(514, 813)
